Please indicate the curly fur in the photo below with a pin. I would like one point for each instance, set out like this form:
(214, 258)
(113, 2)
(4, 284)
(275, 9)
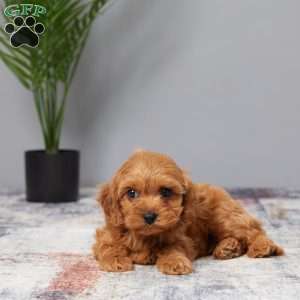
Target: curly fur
(196, 220)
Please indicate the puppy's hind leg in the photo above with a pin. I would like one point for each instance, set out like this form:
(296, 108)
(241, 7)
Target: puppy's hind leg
(262, 246)
(229, 248)
(236, 231)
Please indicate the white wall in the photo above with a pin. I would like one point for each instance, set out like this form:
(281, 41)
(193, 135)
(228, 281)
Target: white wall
(213, 83)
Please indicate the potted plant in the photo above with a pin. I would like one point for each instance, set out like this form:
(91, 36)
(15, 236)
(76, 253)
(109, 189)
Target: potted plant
(41, 43)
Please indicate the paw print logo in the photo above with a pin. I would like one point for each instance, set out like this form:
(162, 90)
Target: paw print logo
(24, 32)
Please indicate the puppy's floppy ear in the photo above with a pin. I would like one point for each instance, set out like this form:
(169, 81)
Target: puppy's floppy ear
(110, 206)
(187, 197)
(187, 182)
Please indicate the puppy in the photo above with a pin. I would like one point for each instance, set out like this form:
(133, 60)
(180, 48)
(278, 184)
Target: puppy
(156, 215)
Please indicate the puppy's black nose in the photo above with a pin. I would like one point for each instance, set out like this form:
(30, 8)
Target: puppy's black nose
(150, 217)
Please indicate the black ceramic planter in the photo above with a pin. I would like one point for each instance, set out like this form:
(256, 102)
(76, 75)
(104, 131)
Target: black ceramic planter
(52, 177)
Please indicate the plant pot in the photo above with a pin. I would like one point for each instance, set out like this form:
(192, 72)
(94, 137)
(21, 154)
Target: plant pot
(52, 177)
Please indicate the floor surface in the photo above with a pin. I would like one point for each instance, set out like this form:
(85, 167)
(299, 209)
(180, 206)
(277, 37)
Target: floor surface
(45, 254)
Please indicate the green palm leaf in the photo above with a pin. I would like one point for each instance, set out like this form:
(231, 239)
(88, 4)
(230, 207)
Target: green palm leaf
(48, 70)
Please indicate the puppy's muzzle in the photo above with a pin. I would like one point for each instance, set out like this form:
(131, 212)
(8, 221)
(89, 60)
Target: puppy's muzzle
(150, 217)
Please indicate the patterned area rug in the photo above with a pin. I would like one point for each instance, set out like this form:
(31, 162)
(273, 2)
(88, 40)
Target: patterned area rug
(45, 254)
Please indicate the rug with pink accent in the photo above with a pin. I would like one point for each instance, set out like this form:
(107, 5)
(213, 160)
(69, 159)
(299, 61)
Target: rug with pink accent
(45, 254)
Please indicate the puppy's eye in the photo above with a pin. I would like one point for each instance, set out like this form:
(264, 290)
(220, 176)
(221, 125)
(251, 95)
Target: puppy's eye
(131, 193)
(166, 192)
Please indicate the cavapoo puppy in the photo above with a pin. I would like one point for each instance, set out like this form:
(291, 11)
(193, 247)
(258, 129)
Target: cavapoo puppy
(156, 215)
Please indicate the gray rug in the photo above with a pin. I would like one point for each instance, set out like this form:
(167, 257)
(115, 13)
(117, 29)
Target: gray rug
(45, 254)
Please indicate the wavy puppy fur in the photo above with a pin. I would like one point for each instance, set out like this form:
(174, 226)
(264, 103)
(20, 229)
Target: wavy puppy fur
(156, 215)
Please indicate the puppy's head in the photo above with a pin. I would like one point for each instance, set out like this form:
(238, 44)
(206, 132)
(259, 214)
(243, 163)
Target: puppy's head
(146, 195)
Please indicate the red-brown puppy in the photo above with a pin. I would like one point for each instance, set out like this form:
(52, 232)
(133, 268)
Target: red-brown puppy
(156, 215)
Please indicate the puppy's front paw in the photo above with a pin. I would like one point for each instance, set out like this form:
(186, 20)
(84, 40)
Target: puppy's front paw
(117, 264)
(264, 247)
(175, 265)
